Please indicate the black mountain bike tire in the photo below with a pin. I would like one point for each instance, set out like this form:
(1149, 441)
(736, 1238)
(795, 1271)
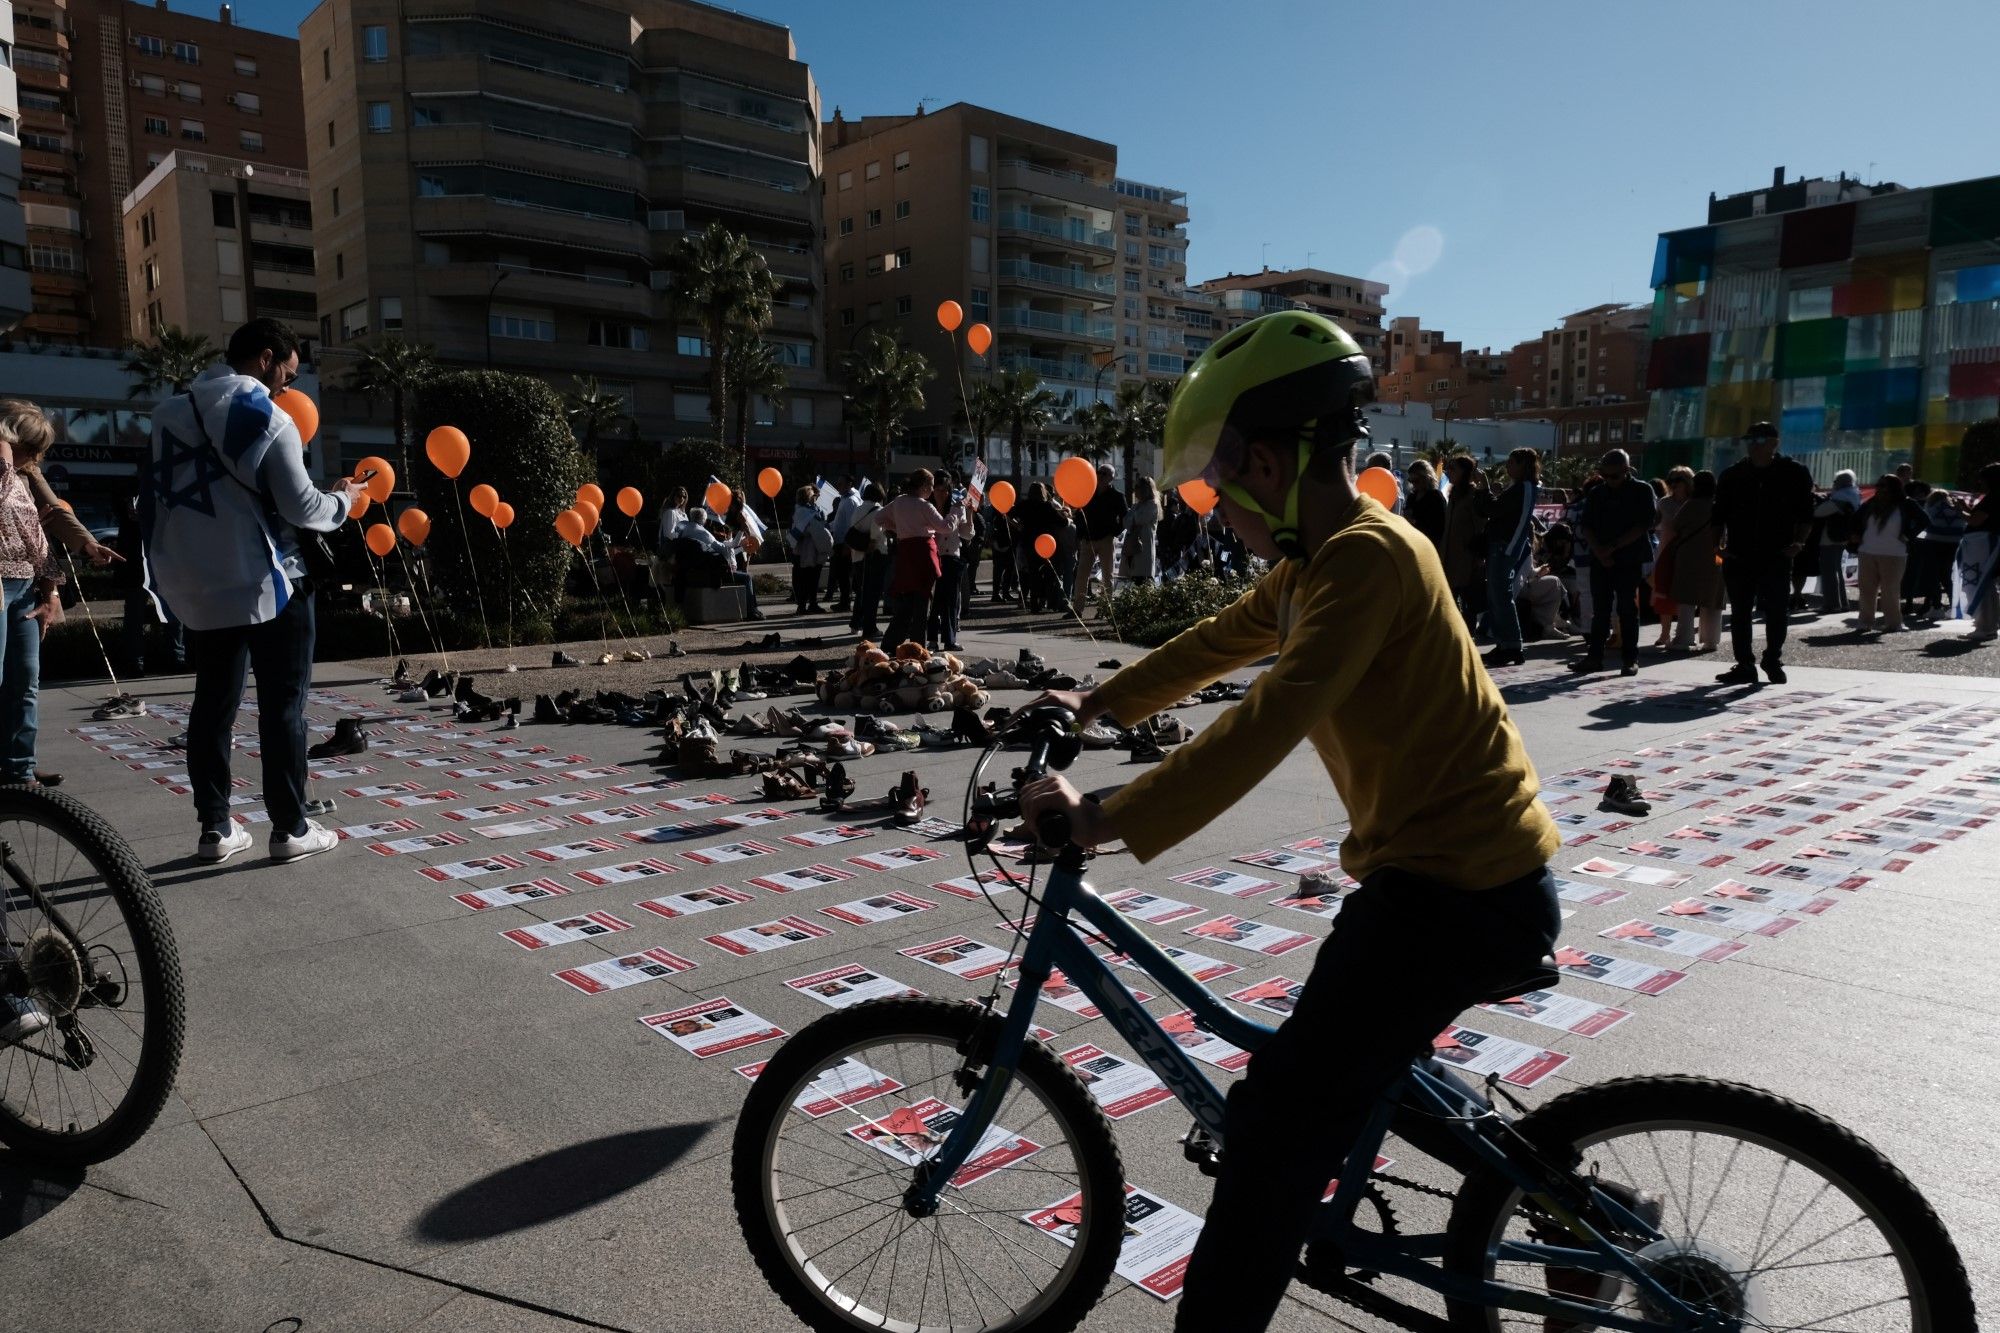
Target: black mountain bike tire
(817, 1046)
(1941, 1292)
(159, 981)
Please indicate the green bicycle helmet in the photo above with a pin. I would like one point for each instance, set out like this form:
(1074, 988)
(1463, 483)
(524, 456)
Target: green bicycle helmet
(1290, 373)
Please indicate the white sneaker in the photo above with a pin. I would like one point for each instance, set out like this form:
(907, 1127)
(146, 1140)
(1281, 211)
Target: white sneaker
(286, 847)
(20, 1018)
(216, 845)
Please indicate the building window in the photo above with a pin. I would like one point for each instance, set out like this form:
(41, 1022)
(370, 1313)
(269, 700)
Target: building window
(378, 118)
(902, 209)
(188, 53)
(329, 134)
(981, 251)
(872, 171)
(903, 160)
(902, 305)
(874, 265)
(802, 411)
(158, 125)
(194, 131)
(340, 266)
(1132, 285)
(222, 208)
(874, 217)
(903, 257)
(325, 64)
(691, 344)
(148, 230)
(246, 67)
(690, 407)
(354, 321)
(1131, 224)
(1617, 429)
(616, 333)
(149, 46)
(58, 259)
(336, 201)
(250, 141)
(797, 355)
(232, 305)
(187, 92)
(847, 271)
(846, 180)
(847, 226)
(248, 103)
(847, 318)
(976, 148)
(982, 203)
(874, 311)
(524, 326)
(154, 84)
(374, 43)
(979, 302)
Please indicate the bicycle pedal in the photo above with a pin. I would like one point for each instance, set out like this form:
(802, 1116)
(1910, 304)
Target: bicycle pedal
(1198, 1146)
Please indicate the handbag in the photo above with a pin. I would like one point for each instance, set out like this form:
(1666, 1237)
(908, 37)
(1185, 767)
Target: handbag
(855, 538)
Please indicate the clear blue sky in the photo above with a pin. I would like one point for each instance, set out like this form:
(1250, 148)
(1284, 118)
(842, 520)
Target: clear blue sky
(1544, 144)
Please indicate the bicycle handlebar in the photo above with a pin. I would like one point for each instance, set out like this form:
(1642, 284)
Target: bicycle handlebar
(1052, 744)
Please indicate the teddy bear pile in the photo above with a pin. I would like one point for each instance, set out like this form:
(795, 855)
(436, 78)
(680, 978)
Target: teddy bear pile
(913, 679)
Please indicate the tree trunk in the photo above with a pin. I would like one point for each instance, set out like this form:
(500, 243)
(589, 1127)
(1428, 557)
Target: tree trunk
(1131, 462)
(403, 478)
(716, 384)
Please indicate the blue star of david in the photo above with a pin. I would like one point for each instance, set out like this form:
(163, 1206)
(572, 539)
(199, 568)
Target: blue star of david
(196, 495)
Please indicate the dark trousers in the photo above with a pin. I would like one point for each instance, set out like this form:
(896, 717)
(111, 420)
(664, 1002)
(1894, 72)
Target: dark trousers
(946, 599)
(868, 601)
(1758, 585)
(1832, 585)
(1365, 1013)
(805, 586)
(909, 614)
(1006, 580)
(1615, 587)
(280, 651)
(839, 575)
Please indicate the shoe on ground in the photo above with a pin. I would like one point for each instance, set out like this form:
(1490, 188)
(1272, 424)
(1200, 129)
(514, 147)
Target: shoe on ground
(637, 655)
(1003, 679)
(348, 738)
(548, 711)
(297, 846)
(1628, 669)
(1169, 730)
(120, 706)
(220, 844)
(1146, 750)
(1499, 657)
(846, 747)
(909, 799)
(21, 1018)
(319, 805)
(559, 658)
(1622, 796)
(1097, 736)
(1775, 670)
(1741, 674)
(47, 779)
(1583, 666)
(414, 695)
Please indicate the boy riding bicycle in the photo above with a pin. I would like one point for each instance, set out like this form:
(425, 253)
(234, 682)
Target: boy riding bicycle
(1376, 668)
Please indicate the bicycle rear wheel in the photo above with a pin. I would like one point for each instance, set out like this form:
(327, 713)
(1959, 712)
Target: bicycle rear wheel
(89, 945)
(1767, 1211)
(1024, 1237)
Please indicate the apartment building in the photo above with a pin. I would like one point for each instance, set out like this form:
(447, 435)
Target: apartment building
(507, 181)
(51, 196)
(16, 290)
(1356, 304)
(1426, 367)
(1162, 324)
(1016, 221)
(214, 241)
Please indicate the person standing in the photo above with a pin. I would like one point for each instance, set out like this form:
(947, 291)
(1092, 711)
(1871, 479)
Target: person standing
(840, 564)
(1000, 539)
(1982, 539)
(913, 575)
(1510, 549)
(1763, 504)
(948, 598)
(1142, 522)
(1616, 526)
(1678, 485)
(1935, 551)
(1424, 505)
(1694, 578)
(1098, 524)
(1883, 530)
(1833, 516)
(1465, 537)
(28, 580)
(220, 504)
(812, 546)
(872, 544)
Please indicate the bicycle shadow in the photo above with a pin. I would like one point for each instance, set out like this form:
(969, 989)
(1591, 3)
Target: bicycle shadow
(557, 1184)
(29, 1192)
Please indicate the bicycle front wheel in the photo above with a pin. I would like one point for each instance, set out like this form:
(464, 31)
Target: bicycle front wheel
(1024, 1236)
(83, 939)
(1767, 1213)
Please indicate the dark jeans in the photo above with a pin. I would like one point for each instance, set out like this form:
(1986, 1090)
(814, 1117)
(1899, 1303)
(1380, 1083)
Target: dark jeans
(1615, 587)
(1006, 580)
(280, 651)
(946, 599)
(839, 576)
(1758, 584)
(909, 613)
(867, 603)
(805, 586)
(1503, 620)
(1367, 1009)
(1832, 586)
(140, 622)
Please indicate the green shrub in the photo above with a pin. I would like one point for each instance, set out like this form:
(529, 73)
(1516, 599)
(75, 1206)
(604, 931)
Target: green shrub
(657, 469)
(1151, 613)
(522, 447)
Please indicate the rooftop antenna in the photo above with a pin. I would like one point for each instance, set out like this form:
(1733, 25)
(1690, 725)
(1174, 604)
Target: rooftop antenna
(1309, 257)
(1266, 255)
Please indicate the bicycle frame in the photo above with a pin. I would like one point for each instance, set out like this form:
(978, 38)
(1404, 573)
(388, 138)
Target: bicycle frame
(1427, 1090)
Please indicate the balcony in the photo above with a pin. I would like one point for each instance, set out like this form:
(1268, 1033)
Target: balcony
(1098, 287)
(482, 215)
(1073, 187)
(461, 72)
(791, 262)
(1048, 323)
(695, 186)
(469, 141)
(720, 125)
(540, 286)
(1073, 232)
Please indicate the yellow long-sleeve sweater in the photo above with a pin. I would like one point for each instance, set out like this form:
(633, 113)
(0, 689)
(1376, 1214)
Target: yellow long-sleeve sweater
(1376, 669)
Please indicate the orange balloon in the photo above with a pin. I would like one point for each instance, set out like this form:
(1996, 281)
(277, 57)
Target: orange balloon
(1379, 484)
(1200, 496)
(1045, 546)
(482, 498)
(302, 411)
(502, 516)
(950, 315)
(718, 497)
(1076, 482)
(380, 539)
(592, 492)
(979, 338)
(1001, 496)
(569, 526)
(592, 515)
(771, 481)
(448, 450)
(414, 524)
(359, 507)
(383, 483)
(630, 502)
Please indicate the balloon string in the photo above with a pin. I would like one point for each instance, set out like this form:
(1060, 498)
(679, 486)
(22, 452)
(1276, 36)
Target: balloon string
(620, 582)
(76, 582)
(465, 540)
(437, 644)
(381, 584)
(507, 559)
(591, 578)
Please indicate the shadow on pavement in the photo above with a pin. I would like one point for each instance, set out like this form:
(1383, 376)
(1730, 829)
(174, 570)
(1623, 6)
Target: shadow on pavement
(557, 1183)
(27, 1195)
(1951, 647)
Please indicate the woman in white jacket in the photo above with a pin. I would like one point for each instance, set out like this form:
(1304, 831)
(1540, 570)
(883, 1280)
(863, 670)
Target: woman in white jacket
(812, 546)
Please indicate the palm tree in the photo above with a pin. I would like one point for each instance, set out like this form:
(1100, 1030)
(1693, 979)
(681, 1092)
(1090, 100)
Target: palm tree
(593, 413)
(1024, 406)
(172, 360)
(396, 367)
(1097, 429)
(753, 371)
(728, 285)
(885, 385)
(1134, 418)
(982, 414)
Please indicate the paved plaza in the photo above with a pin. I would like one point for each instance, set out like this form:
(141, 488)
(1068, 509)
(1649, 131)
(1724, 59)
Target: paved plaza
(392, 1115)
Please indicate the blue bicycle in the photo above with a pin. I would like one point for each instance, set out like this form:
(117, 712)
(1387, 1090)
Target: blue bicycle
(915, 1164)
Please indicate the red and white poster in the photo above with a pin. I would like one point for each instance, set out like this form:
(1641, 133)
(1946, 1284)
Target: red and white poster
(616, 973)
(702, 802)
(805, 877)
(521, 828)
(827, 837)
(1880, 841)
(1674, 940)
(1252, 936)
(1749, 920)
(1061, 992)
(417, 800)
(851, 983)
(525, 783)
(1819, 876)
(493, 810)
(1202, 1044)
(1151, 907)
(1590, 895)
(1323, 905)
(565, 800)
(730, 851)
(1232, 882)
(625, 872)
(896, 858)
(910, 1134)
(960, 956)
(687, 831)
(977, 885)
(1623, 973)
(1279, 995)
(766, 936)
(1159, 1237)
(1855, 858)
(882, 907)
(1566, 1013)
(1285, 862)
(713, 1027)
(546, 934)
(558, 761)
(848, 1083)
(508, 895)
(1775, 900)
(673, 906)
(422, 842)
(575, 851)
(1477, 1052)
(616, 814)
(381, 828)
(477, 866)
(1197, 965)
(595, 773)
(472, 771)
(1680, 852)
(644, 788)
(770, 814)
(1653, 877)
(378, 790)
(1117, 1085)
